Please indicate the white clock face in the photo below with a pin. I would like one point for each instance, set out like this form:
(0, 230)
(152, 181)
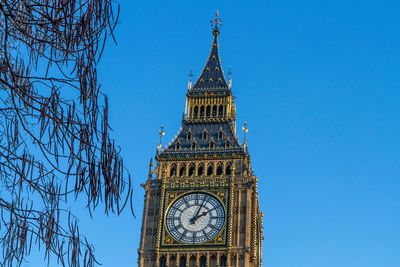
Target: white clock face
(195, 218)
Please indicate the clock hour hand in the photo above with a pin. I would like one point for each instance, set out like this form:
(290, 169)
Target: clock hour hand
(193, 220)
(200, 215)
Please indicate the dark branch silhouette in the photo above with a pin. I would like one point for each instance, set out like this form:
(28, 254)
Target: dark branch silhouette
(54, 133)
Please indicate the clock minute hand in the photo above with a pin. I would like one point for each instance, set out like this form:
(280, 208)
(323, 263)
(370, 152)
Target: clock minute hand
(198, 210)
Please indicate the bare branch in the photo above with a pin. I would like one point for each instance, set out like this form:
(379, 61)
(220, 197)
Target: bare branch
(54, 131)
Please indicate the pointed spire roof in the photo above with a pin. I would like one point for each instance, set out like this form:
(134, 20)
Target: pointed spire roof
(212, 76)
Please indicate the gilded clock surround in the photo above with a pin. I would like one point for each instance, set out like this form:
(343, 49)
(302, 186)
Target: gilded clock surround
(205, 156)
(171, 196)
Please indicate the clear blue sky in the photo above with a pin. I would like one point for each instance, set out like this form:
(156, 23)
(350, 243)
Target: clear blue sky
(318, 83)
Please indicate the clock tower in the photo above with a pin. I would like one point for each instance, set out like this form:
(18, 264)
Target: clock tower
(201, 201)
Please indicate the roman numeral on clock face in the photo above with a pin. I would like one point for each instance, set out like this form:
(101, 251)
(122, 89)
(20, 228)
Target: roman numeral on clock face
(195, 218)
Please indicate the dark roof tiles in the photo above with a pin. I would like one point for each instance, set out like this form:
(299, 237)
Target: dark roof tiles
(212, 76)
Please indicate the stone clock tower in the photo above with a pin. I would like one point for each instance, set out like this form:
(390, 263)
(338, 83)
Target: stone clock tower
(201, 200)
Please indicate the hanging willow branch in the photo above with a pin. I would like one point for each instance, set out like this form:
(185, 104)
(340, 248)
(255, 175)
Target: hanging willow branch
(54, 133)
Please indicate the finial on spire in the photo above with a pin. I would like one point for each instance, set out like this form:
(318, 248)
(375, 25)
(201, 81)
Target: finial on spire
(190, 80)
(161, 132)
(150, 169)
(190, 75)
(229, 77)
(245, 131)
(216, 23)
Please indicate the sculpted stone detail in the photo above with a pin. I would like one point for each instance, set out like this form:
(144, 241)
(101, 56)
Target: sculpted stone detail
(201, 199)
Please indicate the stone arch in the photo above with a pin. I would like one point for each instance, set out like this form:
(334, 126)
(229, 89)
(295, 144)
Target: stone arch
(195, 112)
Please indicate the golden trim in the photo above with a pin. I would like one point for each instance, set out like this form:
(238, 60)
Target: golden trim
(160, 219)
(218, 239)
(231, 192)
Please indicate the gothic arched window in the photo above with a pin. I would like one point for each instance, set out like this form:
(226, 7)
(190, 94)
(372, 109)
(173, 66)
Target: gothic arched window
(172, 170)
(191, 169)
(210, 169)
(220, 134)
(196, 112)
(178, 145)
(227, 144)
(192, 261)
(163, 262)
(204, 135)
(208, 112)
(182, 170)
(213, 261)
(201, 112)
(214, 111)
(220, 169)
(212, 144)
(228, 170)
(223, 261)
(189, 135)
(200, 169)
(182, 262)
(203, 261)
(172, 261)
(194, 145)
(221, 111)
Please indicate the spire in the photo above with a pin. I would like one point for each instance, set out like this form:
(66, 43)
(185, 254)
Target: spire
(212, 76)
(150, 169)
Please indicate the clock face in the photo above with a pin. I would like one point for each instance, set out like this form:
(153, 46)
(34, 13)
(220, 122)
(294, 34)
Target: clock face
(195, 218)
